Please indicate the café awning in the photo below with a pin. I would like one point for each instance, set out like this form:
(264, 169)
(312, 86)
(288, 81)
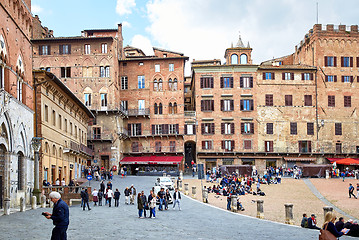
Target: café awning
(169, 160)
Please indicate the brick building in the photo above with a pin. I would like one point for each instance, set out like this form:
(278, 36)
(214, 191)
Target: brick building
(16, 102)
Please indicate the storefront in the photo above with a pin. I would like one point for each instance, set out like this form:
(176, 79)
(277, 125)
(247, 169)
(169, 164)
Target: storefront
(298, 161)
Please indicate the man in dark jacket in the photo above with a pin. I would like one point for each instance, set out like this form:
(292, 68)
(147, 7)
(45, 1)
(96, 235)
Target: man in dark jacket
(85, 199)
(177, 199)
(127, 193)
(149, 200)
(340, 224)
(144, 202)
(161, 196)
(312, 222)
(59, 216)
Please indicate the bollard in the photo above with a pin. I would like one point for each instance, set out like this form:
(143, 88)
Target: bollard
(205, 195)
(186, 188)
(22, 204)
(260, 213)
(179, 183)
(43, 201)
(289, 213)
(327, 174)
(193, 192)
(7, 206)
(234, 203)
(33, 202)
(327, 209)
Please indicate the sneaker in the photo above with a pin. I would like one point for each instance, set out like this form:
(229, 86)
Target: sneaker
(153, 217)
(141, 217)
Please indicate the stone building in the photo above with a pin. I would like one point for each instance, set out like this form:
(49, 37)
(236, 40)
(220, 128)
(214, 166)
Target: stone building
(61, 121)
(152, 96)
(16, 103)
(88, 66)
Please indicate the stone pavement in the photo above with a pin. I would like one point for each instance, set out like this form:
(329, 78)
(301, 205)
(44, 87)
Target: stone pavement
(195, 221)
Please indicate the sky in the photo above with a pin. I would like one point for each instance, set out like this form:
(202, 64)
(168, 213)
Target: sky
(200, 29)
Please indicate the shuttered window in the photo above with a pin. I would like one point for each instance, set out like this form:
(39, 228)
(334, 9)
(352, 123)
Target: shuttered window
(330, 61)
(228, 145)
(346, 61)
(293, 128)
(288, 100)
(310, 128)
(247, 144)
(227, 128)
(207, 145)
(207, 128)
(268, 76)
(246, 105)
(331, 78)
(287, 76)
(226, 82)
(227, 105)
(269, 128)
(347, 101)
(246, 82)
(331, 101)
(247, 128)
(269, 99)
(307, 76)
(206, 82)
(268, 146)
(338, 129)
(308, 100)
(207, 105)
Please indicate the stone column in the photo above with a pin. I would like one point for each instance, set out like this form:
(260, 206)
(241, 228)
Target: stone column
(33, 202)
(260, 213)
(234, 203)
(194, 192)
(327, 209)
(7, 206)
(289, 213)
(205, 195)
(181, 175)
(22, 204)
(43, 201)
(179, 185)
(186, 188)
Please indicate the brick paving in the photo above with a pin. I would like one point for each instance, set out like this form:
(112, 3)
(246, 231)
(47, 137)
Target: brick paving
(195, 221)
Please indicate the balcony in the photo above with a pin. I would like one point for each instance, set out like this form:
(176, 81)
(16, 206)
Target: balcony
(191, 114)
(138, 112)
(156, 150)
(103, 136)
(147, 133)
(122, 133)
(80, 148)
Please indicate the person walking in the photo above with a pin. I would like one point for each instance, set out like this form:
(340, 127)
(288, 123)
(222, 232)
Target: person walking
(127, 195)
(59, 216)
(351, 191)
(109, 196)
(100, 196)
(150, 196)
(357, 190)
(95, 196)
(161, 196)
(140, 205)
(153, 206)
(85, 198)
(167, 198)
(117, 195)
(133, 194)
(102, 186)
(177, 199)
(144, 203)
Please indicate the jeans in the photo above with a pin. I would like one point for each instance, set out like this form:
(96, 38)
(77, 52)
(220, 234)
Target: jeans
(86, 203)
(109, 201)
(100, 201)
(117, 202)
(59, 233)
(166, 203)
(153, 211)
(140, 211)
(228, 205)
(161, 203)
(174, 204)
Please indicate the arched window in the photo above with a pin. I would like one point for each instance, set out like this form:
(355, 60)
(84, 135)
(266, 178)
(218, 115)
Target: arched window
(54, 150)
(156, 108)
(175, 108)
(170, 84)
(20, 171)
(244, 59)
(170, 108)
(155, 85)
(234, 59)
(175, 84)
(160, 85)
(160, 108)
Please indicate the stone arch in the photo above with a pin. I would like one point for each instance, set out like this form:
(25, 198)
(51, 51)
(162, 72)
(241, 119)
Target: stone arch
(6, 136)
(3, 48)
(44, 63)
(103, 90)
(104, 62)
(21, 141)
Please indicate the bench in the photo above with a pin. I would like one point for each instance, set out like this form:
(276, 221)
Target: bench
(72, 201)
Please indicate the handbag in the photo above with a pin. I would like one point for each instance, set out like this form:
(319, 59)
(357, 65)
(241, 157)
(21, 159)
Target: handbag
(326, 235)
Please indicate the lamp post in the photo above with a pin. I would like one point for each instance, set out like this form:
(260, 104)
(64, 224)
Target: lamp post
(36, 145)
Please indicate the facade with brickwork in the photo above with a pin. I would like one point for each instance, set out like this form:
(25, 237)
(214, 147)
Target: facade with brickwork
(16, 103)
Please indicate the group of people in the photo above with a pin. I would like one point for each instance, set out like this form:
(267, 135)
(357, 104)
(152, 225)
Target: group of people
(338, 228)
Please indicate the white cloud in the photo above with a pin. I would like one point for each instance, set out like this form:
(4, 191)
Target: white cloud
(36, 9)
(124, 7)
(142, 42)
(126, 24)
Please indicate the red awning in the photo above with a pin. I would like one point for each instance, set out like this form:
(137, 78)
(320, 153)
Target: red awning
(152, 160)
(337, 159)
(347, 161)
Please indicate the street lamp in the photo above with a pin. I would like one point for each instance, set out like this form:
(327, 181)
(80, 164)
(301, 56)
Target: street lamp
(36, 145)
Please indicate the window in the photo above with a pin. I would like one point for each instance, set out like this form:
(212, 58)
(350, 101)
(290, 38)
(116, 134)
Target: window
(330, 78)
(269, 128)
(141, 82)
(268, 146)
(288, 100)
(310, 128)
(227, 105)
(330, 61)
(227, 161)
(53, 117)
(158, 108)
(206, 82)
(207, 128)
(164, 55)
(307, 76)
(134, 129)
(44, 50)
(175, 84)
(247, 144)
(124, 82)
(87, 99)
(60, 122)
(172, 146)
(160, 85)
(347, 79)
(104, 48)
(247, 128)
(65, 49)
(46, 115)
(71, 128)
(207, 105)
(48, 69)
(246, 82)
(87, 71)
(308, 100)
(190, 129)
(347, 101)
(228, 145)
(331, 101)
(140, 63)
(268, 76)
(157, 68)
(65, 72)
(172, 108)
(226, 82)
(135, 147)
(65, 125)
(19, 91)
(247, 105)
(2, 78)
(269, 100)
(234, 59)
(155, 85)
(207, 145)
(287, 76)
(305, 146)
(227, 128)
(105, 71)
(103, 99)
(173, 129)
(338, 129)
(96, 132)
(87, 48)
(338, 147)
(243, 59)
(347, 61)
(141, 106)
(157, 129)
(293, 128)
(171, 67)
(124, 105)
